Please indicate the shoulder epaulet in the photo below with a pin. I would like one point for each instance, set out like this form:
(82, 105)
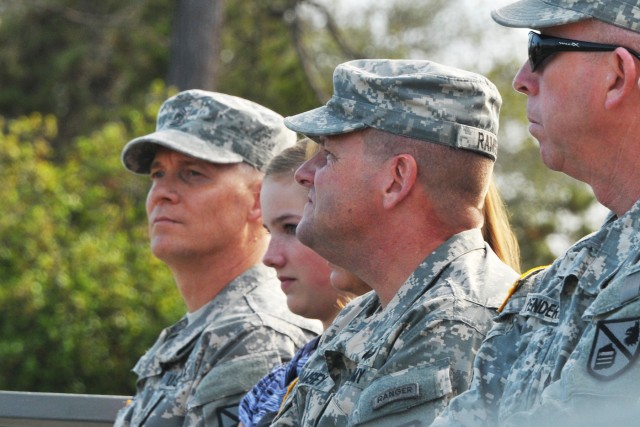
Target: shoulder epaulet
(517, 284)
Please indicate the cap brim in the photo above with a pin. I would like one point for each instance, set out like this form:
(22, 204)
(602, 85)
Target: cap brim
(322, 121)
(138, 154)
(535, 14)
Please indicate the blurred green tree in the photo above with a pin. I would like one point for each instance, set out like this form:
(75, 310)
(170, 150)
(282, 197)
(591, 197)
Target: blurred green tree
(82, 297)
(80, 60)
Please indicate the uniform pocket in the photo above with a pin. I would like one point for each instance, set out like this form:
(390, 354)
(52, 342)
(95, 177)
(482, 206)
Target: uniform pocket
(220, 391)
(233, 377)
(403, 390)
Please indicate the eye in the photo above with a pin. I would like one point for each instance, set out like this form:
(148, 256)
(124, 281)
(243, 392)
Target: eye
(155, 174)
(191, 173)
(290, 228)
(329, 156)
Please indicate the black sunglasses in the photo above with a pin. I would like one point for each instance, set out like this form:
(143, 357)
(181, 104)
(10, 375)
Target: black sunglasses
(541, 47)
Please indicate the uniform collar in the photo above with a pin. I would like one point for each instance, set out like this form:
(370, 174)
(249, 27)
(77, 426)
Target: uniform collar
(177, 341)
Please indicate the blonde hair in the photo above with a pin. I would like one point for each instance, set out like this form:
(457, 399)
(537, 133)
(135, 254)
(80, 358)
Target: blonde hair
(289, 160)
(497, 230)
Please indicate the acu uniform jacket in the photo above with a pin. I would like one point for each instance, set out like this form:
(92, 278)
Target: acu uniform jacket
(196, 373)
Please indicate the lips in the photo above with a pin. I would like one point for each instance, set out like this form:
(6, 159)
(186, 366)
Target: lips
(531, 117)
(163, 220)
(286, 283)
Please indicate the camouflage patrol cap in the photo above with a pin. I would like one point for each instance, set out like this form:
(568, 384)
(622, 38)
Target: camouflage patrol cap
(538, 14)
(418, 99)
(214, 127)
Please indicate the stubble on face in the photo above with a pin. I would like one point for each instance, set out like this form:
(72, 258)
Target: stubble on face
(338, 199)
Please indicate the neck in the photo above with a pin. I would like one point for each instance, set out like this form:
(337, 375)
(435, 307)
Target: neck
(612, 171)
(618, 188)
(201, 278)
(388, 281)
(388, 266)
(618, 200)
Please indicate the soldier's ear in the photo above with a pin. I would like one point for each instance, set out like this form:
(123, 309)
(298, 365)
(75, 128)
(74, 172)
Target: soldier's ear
(400, 174)
(622, 77)
(255, 211)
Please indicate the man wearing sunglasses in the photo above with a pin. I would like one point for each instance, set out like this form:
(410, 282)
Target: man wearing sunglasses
(566, 345)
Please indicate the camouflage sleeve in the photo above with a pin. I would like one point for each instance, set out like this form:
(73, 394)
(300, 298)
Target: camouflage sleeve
(598, 384)
(430, 364)
(478, 406)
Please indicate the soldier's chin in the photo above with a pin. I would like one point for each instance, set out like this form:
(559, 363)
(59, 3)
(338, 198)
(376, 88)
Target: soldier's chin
(305, 232)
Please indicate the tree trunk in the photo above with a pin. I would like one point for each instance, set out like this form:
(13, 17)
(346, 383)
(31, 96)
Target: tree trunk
(195, 44)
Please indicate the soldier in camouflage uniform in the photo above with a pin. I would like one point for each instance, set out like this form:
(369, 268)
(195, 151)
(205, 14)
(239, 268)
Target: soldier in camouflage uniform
(395, 196)
(565, 348)
(205, 161)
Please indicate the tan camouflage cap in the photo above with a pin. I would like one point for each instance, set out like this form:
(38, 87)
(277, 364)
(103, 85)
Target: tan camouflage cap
(418, 99)
(538, 14)
(214, 127)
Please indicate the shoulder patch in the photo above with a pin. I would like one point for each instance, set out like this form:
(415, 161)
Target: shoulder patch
(518, 282)
(401, 392)
(615, 347)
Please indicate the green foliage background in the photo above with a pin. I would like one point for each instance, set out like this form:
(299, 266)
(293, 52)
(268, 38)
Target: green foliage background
(81, 297)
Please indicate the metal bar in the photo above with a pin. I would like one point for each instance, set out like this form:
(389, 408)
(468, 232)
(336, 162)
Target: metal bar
(27, 409)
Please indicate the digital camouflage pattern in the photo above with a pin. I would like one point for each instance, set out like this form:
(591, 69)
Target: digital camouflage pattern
(214, 127)
(195, 374)
(259, 406)
(418, 99)
(403, 364)
(538, 14)
(564, 350)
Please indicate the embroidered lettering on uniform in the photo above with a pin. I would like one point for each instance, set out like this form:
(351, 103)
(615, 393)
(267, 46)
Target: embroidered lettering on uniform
(393, 394)
(312, 378)
(615, 347)
(357, 374)
(475, 139)
(487, 142)
(542, 307)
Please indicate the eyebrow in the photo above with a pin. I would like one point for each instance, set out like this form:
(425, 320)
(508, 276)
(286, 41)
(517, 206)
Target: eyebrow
(285, 217)
(154, 163)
